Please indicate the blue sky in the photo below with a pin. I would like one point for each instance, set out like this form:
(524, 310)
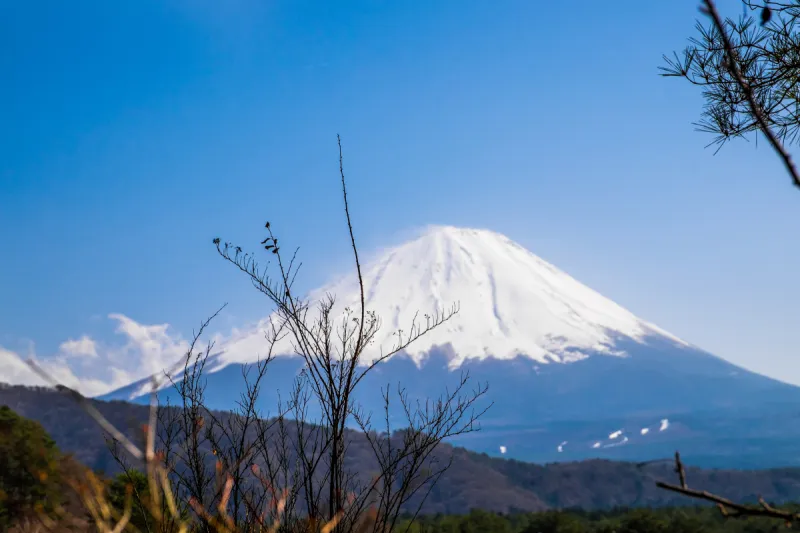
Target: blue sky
(133, 133)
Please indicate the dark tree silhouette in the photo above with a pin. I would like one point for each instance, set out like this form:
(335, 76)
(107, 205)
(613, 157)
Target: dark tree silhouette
(29, 467)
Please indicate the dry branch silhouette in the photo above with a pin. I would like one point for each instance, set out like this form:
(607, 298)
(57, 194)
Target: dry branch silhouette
(752, 84)
(240, 472)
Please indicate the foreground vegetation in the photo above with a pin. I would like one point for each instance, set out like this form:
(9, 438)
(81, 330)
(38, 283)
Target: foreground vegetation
(41, 486)
(473, 481)
(38, 488)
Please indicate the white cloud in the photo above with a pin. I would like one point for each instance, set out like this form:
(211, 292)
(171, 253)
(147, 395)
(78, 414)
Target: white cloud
(95, 368)
(153, 347)
(84, 346)
(15, 371)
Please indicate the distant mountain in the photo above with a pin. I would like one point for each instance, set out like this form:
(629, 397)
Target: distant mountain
(562, 361)
(474, 480)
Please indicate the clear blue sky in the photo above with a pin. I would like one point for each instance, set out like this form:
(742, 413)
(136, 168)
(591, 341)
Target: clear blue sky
(132, 133)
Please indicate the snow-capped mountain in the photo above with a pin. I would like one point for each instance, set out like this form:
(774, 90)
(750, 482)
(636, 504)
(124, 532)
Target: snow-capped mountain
(510, 301)
(561, 360)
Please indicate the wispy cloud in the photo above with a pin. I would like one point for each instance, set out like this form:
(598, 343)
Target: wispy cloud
(153, 347)
(141, 350)
(15, 371)
(84, 346)
(95, 368)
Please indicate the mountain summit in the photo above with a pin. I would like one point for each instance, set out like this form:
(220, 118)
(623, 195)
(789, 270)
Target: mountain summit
(511, 303)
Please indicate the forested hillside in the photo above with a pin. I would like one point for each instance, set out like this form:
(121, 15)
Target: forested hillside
(473, 481)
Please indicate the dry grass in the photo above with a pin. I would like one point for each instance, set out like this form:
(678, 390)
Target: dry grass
(94, 511)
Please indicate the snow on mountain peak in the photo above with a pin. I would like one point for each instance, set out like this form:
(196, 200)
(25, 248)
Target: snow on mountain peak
(511, 302)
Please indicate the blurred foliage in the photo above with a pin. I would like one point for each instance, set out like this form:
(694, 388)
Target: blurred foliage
(29, 467)
(141, 518)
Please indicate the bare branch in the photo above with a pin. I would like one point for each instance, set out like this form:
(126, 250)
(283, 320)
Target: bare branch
(334, 352)
(727, 507)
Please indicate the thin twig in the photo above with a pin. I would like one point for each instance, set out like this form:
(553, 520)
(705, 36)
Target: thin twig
(353, 244)
(680, 470)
